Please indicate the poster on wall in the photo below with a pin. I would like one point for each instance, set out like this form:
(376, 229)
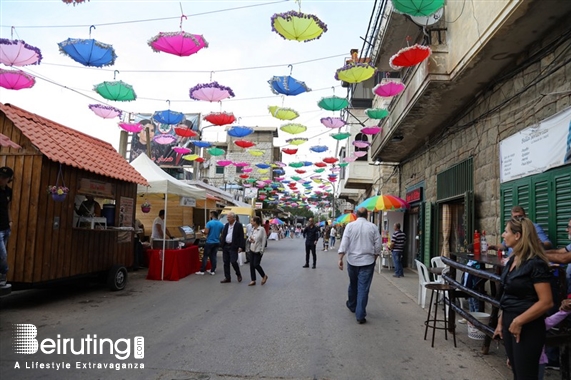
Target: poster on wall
(162, 139)
(537, 149)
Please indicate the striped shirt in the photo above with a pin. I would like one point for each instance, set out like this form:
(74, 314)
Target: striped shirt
(398, 239)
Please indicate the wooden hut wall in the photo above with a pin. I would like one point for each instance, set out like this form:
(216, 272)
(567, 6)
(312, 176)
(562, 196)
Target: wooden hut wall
(177, 215)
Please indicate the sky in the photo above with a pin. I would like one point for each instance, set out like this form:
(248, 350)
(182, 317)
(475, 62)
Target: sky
(243, 54)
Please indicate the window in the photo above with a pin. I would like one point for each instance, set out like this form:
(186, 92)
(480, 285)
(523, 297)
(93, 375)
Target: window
(219, 169)
(362, 137)
(239, 169)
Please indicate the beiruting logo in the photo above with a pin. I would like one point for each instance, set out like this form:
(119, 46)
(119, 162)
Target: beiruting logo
(25, 342)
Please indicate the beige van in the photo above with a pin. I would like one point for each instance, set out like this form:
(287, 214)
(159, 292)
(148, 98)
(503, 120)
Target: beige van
(244, 214)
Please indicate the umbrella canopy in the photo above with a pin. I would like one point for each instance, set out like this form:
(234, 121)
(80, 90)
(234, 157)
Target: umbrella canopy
(333, 122)
(319, 148)
(283, 113)
(106, 112)
(220, 118)
(88, 52)
(384, 203)
(293, 128)
(376, 113)
(289, 150)
(164, 139)
(256, 152)
(168, 117)
(216, 151)
(177, 43)
(119, 91)
(238, 131)
(361, 143)
(330, 160)
(296, 164)
(210, 92)
(287, 85)
(418, 7)
(191, 157)
(244, 143)
(181, 150)
(276, 221)
(355, 72)
(333, 103)
(262, 165)
(297, 140)
(223, 163)
(341, 135)
(18, 53)
(346, 218)
(388, 89)
(373, 130)
(183, 131)
(298, 26)
(409, 56)
(16, 79)
(131, 127)
(201, 144)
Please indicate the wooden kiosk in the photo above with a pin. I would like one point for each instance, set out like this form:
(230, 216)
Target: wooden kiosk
(47, 243)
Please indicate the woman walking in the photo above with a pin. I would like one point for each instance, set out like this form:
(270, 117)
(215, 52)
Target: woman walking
(257, 244)
(525, 300)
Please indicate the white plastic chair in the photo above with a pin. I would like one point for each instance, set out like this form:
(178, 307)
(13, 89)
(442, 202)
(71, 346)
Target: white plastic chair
(436, 262)
(423, 279)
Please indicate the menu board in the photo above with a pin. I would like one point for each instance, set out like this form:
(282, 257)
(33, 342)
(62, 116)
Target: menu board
(538, 148)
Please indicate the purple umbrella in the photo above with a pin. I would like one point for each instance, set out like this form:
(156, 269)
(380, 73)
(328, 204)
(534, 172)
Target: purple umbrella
(210, 92)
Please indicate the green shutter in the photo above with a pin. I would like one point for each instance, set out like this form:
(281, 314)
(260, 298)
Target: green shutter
(540, 198)
(468, 216)
(427, 232)
(562, 204)
(507, 200)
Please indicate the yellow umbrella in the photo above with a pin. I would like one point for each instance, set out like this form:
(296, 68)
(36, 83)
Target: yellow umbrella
(190, 157)
(256, 152)
(293, 128)
(283, 113)
(355, 72)
(297, 141)
(298, 26)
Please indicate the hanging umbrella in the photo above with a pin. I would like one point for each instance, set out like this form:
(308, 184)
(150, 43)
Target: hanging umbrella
(199, 159)
(247, 170)
(280, 164)
(289, 150)
(340, 135)
(361, 143)
(106, 112)
(256, 152)
(244, 143)
(181, 150)
(293, 128)
(73, 2)
(276, 221)
(409, 56)
(319, 149)
(220, 118)
(298, 26)
(119, 91)
(178, 43)
(201, 144)
(184, 131)
(88, 52)
(320, 164)
(244, 176)
(388, 89)
(216, 151)
(300, 171)
(241, 164)
(262, 165)
(360, 154)
(18, 53)
(372, 130)
(131, 127)
(330, 160)
(350, 159)
(376, 113)
(307, 163)
(346, 218)
(343, 164)
(287, 85)
(168, 117)
(223, 163)
(16, 79)
(263, 171)
(191, 157)
(319, 170)
(296, 164)
(355, 72)
(333, 103)
(297, 140)
(238, 131)
(418, 7)
(333, 122)
(210, 92)
(384, 203)
(283, 113)
(164, 139)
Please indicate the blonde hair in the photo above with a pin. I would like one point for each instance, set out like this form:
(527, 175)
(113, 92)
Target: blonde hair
(529, 245)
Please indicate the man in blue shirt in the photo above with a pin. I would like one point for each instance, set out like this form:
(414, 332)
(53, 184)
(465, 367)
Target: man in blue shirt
(212, 230)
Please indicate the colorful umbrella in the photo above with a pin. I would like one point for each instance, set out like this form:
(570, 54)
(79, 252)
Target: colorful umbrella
(330, 160)
(296, 164)
(360, 153)
(18, 53)
(223, 163)
(297, 140)
(241, 164)
(388, 89)
(238, 131)
(199, 159)
(191, 157)
(181, 150)
(333, 103)
(384, 203)
(293, 128)
(320, 164)
(184, 131)
(319, 149)
(220, 118)
(164, 139)
(289, 150)
(418, 7)
(355, 72)
(244, 143)
(300, 171)
(287, 85)
(409, 56)
(283, 113)
(333, 122)
(343, 164)
(131, 127)
(210, 92)
(88, 52)
(262, 165)
(178, 43)
(256, 152)
(361, 143)
(319, 170)
(298, 26)
(119, 91)
(168, 117)
(307, 163)
(201, 144)
(216, 151)
(372, 130)
(340, 135)
(16, 79)
(106, 112)
(376, 113)
(346, 218)
(73, 2)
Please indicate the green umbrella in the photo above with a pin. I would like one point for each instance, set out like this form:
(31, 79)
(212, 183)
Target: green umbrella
(296, 164)
(343, 164)
(333, 103)
(418, 7)
(320, 170)
(376, 113)
(216, 151)
(119, 91)
(341, 135)
(295, 178)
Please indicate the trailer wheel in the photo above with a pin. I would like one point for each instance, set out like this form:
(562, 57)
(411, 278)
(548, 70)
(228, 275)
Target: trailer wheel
(117, 278)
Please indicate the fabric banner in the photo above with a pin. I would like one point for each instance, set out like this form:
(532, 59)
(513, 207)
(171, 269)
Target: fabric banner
(537, 149)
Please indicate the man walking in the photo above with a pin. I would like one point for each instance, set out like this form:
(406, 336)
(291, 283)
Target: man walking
(398, 239)
(6, 176)
(362, 243)
(311, 234)
(232, 240)
(212, 230)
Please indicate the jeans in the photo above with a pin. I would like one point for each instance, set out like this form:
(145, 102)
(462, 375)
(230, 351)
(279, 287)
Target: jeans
(308, 249)
(255, 260)
(397, 262)
(4, 235)
(360, 279)
(210, 252)
(230, 257)
(332, 241)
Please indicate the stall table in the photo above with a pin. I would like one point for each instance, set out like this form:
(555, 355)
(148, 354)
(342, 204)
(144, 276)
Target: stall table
(179, 263)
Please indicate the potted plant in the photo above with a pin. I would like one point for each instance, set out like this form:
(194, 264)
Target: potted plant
(146, 207)
(59, 193)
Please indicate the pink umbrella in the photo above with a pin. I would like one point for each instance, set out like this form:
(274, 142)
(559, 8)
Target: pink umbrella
(16, 79)
(134, 127)
(106, 112)
(333, 122)
(223, 163)
(210, 92)
(247, 170)
(181, 150)
(373, 130)
(350, 159)
(178, 43)
(361, 144)
(388, 89)
(241, 164)
(18, 53)
(359, 154)
(164, 139)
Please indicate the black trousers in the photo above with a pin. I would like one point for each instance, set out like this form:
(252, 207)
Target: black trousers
(255, 260)
(308, 249)
(230, 257)
(524, 356)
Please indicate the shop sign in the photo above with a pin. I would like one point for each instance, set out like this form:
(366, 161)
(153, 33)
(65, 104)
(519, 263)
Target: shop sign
(188, 202)
(414, 195)
(96, 188)
(259, 205)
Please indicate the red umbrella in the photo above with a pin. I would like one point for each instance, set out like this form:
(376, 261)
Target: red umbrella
(244, 143)
(244, 176)
(220, 118)
(330, 160)
(184, 132)
(289, 150)
(300, 171)
(199, 159)
(320, 164)
(409, 56)
(16, 79)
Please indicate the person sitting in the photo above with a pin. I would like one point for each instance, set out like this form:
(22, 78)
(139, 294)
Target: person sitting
(89, 207)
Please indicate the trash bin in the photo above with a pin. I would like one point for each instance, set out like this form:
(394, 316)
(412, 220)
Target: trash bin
(473, 332)
(108, 212)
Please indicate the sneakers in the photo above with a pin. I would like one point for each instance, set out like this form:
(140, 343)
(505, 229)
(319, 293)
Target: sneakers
(462, 321)
(305, 266)
(212, 273)
(200, 273)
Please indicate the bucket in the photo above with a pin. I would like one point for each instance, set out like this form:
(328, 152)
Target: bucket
(108, 212)
(473, 332)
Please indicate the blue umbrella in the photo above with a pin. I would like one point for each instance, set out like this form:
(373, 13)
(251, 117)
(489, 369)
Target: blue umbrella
(287, 85)
(279, 172)
(237, 131)
(201, 144)
(168, 117)
(88, 52)
(307, 163)
(319, 148)
(262, 166)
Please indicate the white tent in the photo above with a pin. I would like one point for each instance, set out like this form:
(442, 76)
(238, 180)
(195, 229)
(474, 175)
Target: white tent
(162, 183)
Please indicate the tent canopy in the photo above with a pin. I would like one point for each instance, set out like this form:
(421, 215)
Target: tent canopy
(161, 182)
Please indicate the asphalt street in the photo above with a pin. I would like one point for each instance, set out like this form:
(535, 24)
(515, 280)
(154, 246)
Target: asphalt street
(296, 326)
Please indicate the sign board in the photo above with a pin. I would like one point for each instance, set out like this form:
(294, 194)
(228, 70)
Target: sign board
(259, 205)
(96, 188)
(187, 202)
(537, 149)
(414, 195)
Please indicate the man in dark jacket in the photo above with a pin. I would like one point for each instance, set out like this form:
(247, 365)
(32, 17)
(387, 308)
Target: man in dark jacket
(232, 241)
(311, 234)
